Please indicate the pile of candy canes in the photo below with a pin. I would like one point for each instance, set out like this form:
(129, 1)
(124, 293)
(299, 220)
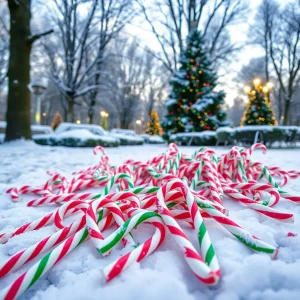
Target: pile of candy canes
(170, 191)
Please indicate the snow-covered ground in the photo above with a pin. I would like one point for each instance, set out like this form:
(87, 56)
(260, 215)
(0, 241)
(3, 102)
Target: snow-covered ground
(164, 274)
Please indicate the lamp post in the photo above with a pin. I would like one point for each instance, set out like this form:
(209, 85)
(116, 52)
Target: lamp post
(38, 87)
(138, 123)
(103, 123)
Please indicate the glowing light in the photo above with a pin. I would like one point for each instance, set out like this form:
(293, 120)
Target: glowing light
(247, 89)
(78, 122)
(37, 118)
(256, 81)
(265, 89)
(270, 85)
(138, 122)
(102, 113)
(44, 114)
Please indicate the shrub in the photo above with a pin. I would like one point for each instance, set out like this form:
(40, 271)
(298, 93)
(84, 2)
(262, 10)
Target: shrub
(74, 142)
(205, 138)
(225, 136)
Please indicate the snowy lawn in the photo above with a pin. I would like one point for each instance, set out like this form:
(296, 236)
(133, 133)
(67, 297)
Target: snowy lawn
(164, 274)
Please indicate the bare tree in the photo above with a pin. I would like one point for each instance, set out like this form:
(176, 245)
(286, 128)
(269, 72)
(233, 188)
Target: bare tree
(21, 42)
(259, 32)
(284, 37)
(172, 20)
(125, 82)
(4, 43)
(255, 68)
(156, 84)
(111, 18)
(235, 112)
(67, 50)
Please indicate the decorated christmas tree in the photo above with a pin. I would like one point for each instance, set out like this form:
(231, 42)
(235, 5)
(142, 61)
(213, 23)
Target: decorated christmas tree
(57, 119)
(193, 104)
(153, 125)
(259, 110)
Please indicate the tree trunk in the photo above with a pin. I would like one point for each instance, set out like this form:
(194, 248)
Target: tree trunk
(71, 116)
(91, 110)
(91, 115)
(18, 100)
(280, 103)
(286, 111)
(123, 124)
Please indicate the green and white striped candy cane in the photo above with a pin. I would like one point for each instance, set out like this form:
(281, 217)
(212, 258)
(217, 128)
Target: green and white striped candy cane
(169, 165)
(176, 163)
(236, 230)
(143, 190)
(197, 176)
(27, 279)
(114, 178)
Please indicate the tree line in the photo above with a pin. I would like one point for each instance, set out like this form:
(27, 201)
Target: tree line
(87, 51)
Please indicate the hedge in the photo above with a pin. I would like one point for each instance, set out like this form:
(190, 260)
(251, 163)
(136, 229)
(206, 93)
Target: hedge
(74, 142)
(205, 138)
(245, 135)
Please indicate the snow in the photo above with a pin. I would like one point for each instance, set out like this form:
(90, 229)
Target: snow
(152, 138)
(126, 134)
(71, 126)
(127, 137)
(265, 128)
(124, 131)
(205, 133)
(81, 134)
(225, 129)
(254, 128)
(164, 274)
(156, 139)
(35, 128)
(41, 129)
(170, 102)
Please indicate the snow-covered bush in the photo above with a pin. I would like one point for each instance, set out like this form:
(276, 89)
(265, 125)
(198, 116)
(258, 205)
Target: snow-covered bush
(225, 135)
(152, 139)
(204, 138)
(39, 130)
(78, 135)
(267, 134)
(76, 138)
(127, 137)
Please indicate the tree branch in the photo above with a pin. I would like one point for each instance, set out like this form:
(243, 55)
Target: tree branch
(31, 39)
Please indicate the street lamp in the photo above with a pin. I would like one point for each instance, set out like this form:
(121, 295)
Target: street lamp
(138, 123)
(102, 113)
(38, 87)
(103, 121)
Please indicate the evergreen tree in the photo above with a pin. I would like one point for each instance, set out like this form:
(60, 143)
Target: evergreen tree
(57, 119)
(259, 110)
(153, 126)
(193, 104)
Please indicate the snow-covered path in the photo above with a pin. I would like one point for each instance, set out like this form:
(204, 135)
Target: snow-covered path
(164, 274)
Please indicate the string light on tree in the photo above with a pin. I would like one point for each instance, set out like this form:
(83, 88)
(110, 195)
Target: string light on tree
(259, 109)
